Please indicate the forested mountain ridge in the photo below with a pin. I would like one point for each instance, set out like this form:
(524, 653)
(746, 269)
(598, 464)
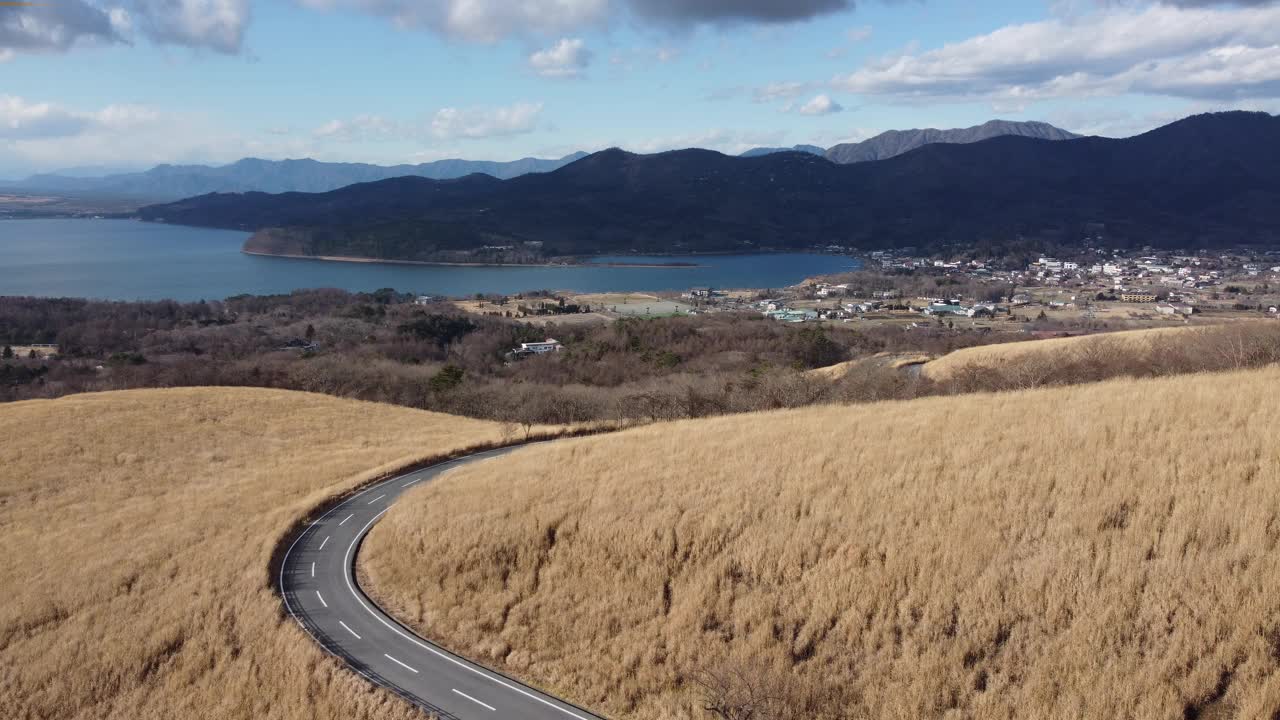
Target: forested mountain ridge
(1206, 180)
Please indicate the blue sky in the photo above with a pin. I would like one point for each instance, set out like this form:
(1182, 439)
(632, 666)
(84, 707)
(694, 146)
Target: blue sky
(132, 83)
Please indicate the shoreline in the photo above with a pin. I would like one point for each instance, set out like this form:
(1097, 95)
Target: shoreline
(432, 263)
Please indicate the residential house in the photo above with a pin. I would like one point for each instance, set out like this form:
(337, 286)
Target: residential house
(538, 348)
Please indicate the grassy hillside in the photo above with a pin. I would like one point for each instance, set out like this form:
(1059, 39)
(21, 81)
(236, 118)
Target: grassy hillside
(1089, 358)
(1102, 551)
(1127, 341)
(138, 528)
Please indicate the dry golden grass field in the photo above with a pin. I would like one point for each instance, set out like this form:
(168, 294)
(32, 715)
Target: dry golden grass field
(897, 361)
(1126, 341)
(138, 529)
(1100, 551)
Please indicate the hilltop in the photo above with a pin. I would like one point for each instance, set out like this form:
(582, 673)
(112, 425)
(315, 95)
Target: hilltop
(1204, 181)
(1093, 551)
(896, 142)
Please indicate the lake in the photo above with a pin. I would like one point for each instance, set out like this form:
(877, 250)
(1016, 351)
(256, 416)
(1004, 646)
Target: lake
(130, 260)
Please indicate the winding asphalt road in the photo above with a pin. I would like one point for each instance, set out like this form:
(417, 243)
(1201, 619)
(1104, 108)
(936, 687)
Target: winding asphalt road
(320, 591)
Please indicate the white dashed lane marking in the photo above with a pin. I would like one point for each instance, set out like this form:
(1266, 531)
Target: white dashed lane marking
(481, 704)
(406, 667)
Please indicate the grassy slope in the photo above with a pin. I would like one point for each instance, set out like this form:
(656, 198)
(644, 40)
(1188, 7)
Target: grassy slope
(138, 528)
(1003, 353)
(1098, 551)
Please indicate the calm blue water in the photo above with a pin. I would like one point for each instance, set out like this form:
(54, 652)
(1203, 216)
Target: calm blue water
(128, 260)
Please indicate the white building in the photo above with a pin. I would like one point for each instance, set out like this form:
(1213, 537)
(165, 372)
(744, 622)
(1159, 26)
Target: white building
(538, 348)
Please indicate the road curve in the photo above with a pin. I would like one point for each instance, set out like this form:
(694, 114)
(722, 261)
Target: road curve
(319, 588)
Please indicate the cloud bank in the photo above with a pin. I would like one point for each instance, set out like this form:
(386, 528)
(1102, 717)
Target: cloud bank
(1218, 54)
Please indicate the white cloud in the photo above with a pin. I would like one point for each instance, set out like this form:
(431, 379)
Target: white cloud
(1111, 121)
(567, 58)
(780, 91)
(221, 25)
(448, 123)
(214, 24)
(124, 118)
(473, 123)
(1218, 53)
(820, 105)
(40, 136)
(61, 25)
(360, 127)
(481, 20)
(54, 27)
(20, 119)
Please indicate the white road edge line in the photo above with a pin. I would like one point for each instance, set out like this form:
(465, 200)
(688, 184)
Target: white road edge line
(406, 667)
(376, 499)
(344, 520)
(481, 704)
(353, 632)
(346, 563)
(288, 606)
(322, 602)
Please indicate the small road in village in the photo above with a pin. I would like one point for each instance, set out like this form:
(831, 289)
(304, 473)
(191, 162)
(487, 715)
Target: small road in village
(318, 584)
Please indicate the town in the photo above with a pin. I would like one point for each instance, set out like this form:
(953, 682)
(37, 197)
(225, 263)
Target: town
(1088, 291)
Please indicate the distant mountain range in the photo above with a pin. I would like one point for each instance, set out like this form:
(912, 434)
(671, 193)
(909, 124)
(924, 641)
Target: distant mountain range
(253, 174)
(896, 142)
(1203, 181)
(811, 149)
(171, 182)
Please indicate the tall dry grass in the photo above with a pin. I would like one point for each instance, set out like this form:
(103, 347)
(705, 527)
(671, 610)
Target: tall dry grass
(1134, 347)
(138, 528)
(1101, 551)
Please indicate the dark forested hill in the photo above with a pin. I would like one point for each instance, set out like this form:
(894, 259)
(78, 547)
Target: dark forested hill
(1208, 179)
